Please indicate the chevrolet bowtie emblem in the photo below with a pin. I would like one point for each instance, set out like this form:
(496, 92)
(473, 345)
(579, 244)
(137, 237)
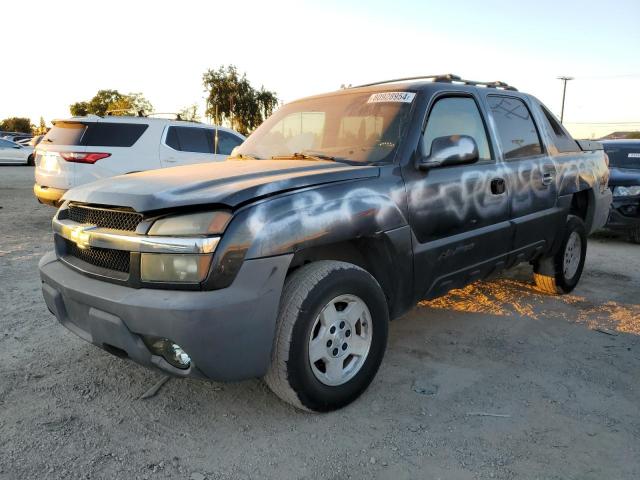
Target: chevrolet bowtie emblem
(81, 235)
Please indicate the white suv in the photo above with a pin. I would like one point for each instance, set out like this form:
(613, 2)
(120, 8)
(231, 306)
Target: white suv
(84, 149)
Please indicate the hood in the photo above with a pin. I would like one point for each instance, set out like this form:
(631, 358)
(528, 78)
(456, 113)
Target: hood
(229, 183)
(624, 177)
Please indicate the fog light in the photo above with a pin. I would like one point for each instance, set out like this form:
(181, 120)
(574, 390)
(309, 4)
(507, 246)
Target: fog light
(170, 351)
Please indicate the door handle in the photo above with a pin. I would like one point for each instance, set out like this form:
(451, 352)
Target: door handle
(498, 186)
(171, 159)
(547, 178)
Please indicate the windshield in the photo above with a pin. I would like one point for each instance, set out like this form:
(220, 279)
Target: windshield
(358, 127)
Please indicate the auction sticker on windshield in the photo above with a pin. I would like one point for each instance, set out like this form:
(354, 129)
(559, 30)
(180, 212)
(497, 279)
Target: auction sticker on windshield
(402, 97)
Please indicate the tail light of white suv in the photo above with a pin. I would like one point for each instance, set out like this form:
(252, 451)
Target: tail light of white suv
(83, 157)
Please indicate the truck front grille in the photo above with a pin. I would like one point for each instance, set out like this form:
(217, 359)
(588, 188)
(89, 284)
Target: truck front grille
(118, 219)
(118, 260)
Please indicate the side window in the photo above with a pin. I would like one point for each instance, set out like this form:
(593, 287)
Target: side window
(190, 139)
(561, 138)
(113, 134)
(516, 130)
(172, 138)
(456, 116)
(227, 142)
(4, 144)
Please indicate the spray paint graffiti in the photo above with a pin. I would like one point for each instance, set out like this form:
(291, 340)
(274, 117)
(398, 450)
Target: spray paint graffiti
(342, 211)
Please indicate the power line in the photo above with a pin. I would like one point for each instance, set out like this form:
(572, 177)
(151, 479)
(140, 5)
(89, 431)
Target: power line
(624, 75)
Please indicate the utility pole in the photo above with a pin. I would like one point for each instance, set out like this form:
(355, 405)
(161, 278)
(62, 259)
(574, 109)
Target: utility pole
(564, 93)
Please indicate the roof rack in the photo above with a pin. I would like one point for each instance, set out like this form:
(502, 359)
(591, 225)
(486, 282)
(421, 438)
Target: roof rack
(138, 113)
(177, 115)
(445, 78)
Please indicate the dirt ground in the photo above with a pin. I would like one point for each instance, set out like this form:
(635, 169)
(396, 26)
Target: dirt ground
(493, 381)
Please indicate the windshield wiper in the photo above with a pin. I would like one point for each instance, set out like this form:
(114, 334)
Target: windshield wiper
(244, 156)
(308, 155)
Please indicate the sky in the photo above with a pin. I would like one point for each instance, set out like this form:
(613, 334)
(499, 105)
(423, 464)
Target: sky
(65, 51)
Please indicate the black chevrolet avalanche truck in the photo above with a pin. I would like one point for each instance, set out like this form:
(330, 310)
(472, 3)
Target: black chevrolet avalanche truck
(341, 211)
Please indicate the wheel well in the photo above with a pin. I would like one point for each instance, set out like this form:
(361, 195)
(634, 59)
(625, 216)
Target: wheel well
(341, 251)
(370, 254)
(580, 204)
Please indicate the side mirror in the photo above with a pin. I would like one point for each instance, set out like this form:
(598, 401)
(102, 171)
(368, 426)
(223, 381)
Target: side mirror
(451, 150)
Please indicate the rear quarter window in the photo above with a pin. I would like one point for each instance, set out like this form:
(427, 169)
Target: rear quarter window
(65, 133)
(101, 134)
(113, 134)
(561, 138)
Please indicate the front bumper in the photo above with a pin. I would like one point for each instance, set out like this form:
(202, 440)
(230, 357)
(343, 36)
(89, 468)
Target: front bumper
(624, 214)
(48, 195)
(228, 333)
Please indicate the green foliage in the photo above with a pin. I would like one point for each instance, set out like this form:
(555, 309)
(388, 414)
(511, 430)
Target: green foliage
(42, 128)
(17, 124)
(132, 104)
(189, 113)
(79, 109)
(111, 100)
(232, 99)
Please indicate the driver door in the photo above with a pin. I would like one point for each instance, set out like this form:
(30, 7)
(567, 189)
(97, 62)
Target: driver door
(459, 213)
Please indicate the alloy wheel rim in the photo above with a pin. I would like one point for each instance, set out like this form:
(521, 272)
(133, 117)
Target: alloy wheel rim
(340, 340)
(572, 254)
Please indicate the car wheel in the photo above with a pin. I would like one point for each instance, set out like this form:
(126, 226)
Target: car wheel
(31, 161)
(331, 336)
(561, 273)
(634, 235)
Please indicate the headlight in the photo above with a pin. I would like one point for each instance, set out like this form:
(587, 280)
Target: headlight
(631, 191)
(203, 223)
(174, 268)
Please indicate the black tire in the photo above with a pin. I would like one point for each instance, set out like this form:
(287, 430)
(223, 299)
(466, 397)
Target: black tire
(549, 273)
(634, 235)
(306, 292)
(31, 161)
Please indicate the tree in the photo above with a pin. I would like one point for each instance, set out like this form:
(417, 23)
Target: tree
(79, 109)
(189, 113)
(17, 124)
(42, 128)
(134, 103)
(106, 100)
(232, 99)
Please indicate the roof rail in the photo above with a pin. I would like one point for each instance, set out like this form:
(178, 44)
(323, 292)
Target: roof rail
(445, 78)
(177, 115)
(138, 113)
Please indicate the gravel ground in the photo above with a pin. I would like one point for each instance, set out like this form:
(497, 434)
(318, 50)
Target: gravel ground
(563, 397)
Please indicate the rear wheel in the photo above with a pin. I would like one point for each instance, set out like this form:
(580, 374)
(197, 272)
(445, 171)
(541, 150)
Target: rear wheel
(331, 336)
(634, 235)
(561, 273)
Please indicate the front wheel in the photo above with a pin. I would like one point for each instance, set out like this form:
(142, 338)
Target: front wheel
(561, 273)
(31, 161)
(331, 336)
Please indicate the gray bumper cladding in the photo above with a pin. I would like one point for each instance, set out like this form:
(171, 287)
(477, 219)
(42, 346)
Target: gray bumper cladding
(228, 333)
